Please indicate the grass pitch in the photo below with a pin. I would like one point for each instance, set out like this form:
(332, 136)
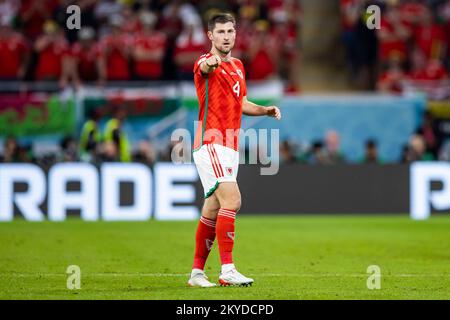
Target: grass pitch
(290, 257)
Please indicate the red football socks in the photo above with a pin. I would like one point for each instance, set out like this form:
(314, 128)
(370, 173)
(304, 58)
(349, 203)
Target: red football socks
(225, 234)
(204, 239)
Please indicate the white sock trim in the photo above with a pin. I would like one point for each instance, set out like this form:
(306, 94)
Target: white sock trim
(228, 267)
(196, 271)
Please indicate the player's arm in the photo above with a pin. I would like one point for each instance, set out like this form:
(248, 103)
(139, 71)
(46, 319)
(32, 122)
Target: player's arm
(210, 64)
(252, 109)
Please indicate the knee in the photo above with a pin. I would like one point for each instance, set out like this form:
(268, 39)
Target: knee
(210, 211)
(233, 203)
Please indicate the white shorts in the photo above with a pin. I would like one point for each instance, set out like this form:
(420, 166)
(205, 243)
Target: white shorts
(216, 163)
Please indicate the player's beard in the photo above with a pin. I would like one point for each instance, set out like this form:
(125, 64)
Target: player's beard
(225, 52)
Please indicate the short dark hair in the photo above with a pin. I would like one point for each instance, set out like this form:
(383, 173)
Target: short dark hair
(220, 18)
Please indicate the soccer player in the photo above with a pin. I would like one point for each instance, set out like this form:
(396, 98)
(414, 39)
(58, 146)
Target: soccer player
(222, 94)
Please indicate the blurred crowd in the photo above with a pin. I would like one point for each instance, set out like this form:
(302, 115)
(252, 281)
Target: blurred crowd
(111, 144)
(93, 144)
(122, 40)
(412, 44)
(425, 144)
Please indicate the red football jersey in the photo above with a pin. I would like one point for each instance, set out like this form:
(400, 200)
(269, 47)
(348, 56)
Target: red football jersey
(116, 62)
(87, 60)
(49, 65)
(153, 42)
(12, 51)
(220, 95)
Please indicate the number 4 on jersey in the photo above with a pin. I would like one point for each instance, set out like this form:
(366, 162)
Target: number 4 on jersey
(237, 88)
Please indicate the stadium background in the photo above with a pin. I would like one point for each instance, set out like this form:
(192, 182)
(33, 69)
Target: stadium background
(359, 107)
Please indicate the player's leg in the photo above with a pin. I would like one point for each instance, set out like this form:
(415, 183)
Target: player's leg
(206, 229)
(229, 198)
(204, 239)
(206, 232)
(211, 207)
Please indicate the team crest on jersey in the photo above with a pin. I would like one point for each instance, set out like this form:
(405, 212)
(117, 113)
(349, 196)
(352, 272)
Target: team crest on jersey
(239, 72)
(229, 170)
(209, 244)
(230, 235)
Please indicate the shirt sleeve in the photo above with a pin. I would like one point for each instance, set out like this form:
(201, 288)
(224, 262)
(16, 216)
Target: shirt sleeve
(199, 61)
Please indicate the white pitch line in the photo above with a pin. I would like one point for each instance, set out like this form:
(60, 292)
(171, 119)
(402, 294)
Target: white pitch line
(312, 275)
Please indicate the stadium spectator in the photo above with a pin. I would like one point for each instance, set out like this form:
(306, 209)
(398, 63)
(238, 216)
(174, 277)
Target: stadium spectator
(14, 53)
(52, 49)
(69, 150)
(145, 153)
(411, 35)
(280, 18)
(103, 11)
(371, 153)
(430, 37)
(391, 79)
(108, 152)
(11, 150)
(33, 15)
(148, 50)
(361, 44)
(247, 15)
(115, 50)
(103, 49)
(285, 36)
(284, 10)
(287, 154)
(423, 69)
(177, 15)
(14, 152)
(26, 153)
(262, 53)
(432, 70)
(90, 137)
(171, 21)
(190, 44)
(429, 131)
(171, 24)
(84, 55)
(316, 154)
(183, 10)
(412, 12)
(332, 146)
(393, 34)
(404, 153)
(132, 21)
(350, 15)
(417, 149)
(285, 17)
(116, 140)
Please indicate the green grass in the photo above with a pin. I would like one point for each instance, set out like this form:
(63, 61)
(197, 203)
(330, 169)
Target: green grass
(290, 257)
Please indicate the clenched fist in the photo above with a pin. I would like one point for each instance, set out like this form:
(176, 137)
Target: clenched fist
(214, 61)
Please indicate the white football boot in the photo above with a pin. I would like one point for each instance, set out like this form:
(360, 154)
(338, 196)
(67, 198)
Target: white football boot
(234, 278)
(199, 279)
